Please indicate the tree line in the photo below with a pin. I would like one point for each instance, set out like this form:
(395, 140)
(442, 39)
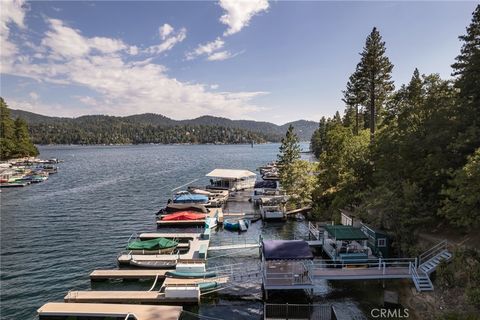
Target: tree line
(408, 158)
(15, 140)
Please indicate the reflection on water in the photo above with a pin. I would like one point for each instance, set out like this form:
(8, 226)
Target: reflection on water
(55, 233)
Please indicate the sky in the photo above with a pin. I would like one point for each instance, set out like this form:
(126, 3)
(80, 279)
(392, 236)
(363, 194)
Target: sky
(276, 61)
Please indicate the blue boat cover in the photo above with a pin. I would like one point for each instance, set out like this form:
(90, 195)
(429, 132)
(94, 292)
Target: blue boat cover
(286, 250)
(190, 198)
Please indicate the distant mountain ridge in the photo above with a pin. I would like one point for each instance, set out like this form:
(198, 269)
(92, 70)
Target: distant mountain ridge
(270, 131)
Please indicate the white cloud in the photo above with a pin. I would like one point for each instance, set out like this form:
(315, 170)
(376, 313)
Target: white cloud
(214, 86)
(120, 86)
(33, 95)
(165, 31)
(221, 55)
(207, 48)
(133, 50)
(169, 42)
(12, 12)
(239, 12)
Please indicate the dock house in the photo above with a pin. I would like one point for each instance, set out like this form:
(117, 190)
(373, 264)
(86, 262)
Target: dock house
(285, 265)
(345, 243)
(231, 179)
(378, 241)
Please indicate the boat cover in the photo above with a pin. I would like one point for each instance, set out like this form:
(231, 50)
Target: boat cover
(190, 198)
(190, 275)
(175, 207)
(153, 244)
(184, 215)
(269, 184)
(286, 250)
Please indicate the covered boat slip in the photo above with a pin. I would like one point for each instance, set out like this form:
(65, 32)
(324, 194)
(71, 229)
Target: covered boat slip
(111, 311)
(346, 243)
(232, 180)
(285, 265)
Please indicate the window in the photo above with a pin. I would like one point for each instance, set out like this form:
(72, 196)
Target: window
(381, 242)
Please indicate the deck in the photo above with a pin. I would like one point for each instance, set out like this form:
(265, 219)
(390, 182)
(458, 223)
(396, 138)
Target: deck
(153, 297)
(56, 309)
(361, 273)
(282, 275)
(127, 274)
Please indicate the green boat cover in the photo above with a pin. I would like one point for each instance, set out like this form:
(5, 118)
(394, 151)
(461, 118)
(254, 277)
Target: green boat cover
(153, 244)
(207, 285)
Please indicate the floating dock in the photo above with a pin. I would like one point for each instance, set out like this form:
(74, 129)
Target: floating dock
(99, 310)
(127, 274)
(145, 297)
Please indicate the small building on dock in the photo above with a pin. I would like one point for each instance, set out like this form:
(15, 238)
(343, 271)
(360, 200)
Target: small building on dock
(345, 243)
(285, 265)
(378, 241)
(231, 179)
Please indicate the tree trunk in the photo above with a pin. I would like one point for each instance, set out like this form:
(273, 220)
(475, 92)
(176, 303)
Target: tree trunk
(372, 107)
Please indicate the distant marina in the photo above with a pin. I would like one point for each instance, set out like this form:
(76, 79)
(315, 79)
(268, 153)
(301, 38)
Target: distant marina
(23, 172)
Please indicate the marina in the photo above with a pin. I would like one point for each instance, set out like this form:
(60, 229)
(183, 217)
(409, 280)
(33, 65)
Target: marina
(183, 262)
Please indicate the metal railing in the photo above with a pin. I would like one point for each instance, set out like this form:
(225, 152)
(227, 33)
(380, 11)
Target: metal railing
(298, 311)
(432, 252)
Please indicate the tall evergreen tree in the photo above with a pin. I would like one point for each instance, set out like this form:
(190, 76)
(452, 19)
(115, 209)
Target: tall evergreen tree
(23, 145)
(289, 154)
(353, 97)
(290, 148)
(7, 145)
(467, 70)
(374, 78)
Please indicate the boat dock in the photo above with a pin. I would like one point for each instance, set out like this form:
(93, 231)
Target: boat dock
(153, 297)
(127, 274)
(94, 310)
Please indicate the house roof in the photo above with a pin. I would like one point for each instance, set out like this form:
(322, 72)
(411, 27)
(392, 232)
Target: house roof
(286, 250)
(340, 232)
(230, 174)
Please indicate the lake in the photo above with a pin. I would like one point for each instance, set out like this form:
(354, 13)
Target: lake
(53, 234)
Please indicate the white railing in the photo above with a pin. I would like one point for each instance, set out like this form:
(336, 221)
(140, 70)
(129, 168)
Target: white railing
(415, 277)
(312, 229)
(432, 252)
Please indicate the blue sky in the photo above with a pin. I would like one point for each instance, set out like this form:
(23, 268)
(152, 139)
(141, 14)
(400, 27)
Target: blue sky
(273, 61)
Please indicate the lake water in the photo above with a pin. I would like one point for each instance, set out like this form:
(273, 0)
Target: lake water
(53, 234)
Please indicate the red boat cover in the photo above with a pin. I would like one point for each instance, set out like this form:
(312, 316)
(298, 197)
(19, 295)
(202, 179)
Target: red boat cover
(184, 215)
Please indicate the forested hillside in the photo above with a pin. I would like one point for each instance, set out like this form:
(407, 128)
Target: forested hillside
(149, 127)
(14, 138)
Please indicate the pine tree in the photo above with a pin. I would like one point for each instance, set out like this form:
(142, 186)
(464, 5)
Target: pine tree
(353, 97)
(375, 81)
(467, 70)
(289, 154)
(23, 145)
(290, 149)
(7, 145)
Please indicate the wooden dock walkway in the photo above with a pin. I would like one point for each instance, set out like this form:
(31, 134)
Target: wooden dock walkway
(100, 310)
(153, 297)
(361, 273)
(127, 274)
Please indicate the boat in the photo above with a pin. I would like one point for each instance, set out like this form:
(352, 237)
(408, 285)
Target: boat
(176, 207)
(187, 197)
(236, 225)
(154, 264)
(184, 215)
(157, 245)
(205, 286)
(190, 275)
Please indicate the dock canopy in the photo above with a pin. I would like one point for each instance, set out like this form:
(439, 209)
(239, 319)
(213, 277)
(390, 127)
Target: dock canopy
(340, 232)
(286, 250)
(230, 174)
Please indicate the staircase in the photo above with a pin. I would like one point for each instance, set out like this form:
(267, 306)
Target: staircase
(427, 263)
